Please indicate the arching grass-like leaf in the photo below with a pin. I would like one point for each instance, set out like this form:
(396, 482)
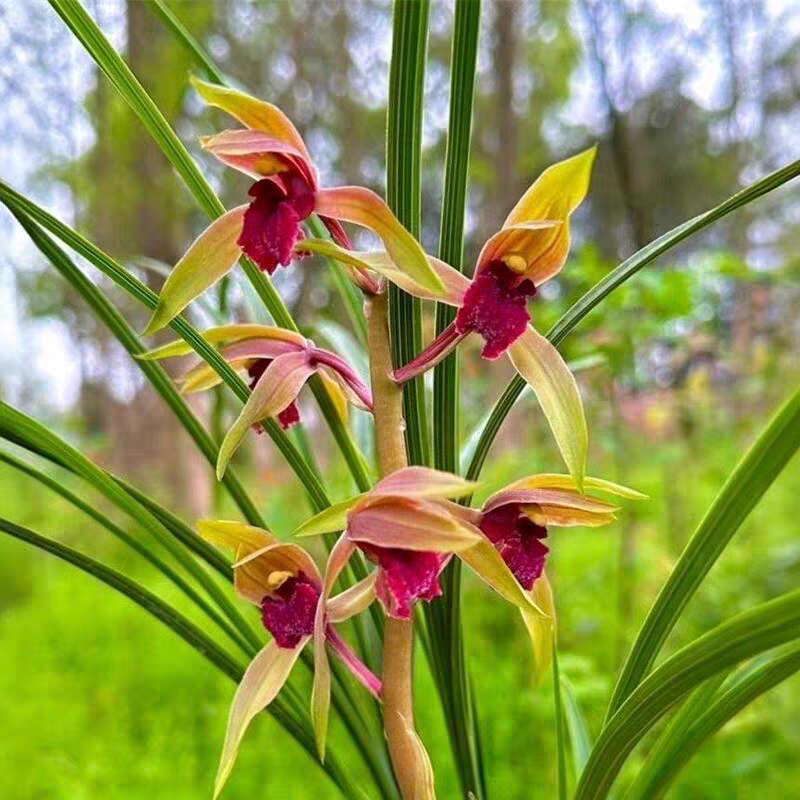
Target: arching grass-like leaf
(747, 484)
(755, 631)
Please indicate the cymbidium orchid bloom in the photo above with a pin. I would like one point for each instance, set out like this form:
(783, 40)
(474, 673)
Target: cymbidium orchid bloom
(278, 362)
(286, 192)
(409, 527)
(516, 521)
(530, 249)
(282, 580)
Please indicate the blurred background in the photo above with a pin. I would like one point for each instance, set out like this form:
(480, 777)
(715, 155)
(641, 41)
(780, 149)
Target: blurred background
(680, 369)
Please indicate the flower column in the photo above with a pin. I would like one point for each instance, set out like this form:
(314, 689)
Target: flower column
(398, 642)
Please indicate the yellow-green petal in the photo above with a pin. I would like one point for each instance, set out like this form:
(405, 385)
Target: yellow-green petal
(542, 367)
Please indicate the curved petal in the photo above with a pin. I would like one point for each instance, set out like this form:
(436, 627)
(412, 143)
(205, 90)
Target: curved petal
(380, 261)
(345, 375)
(333, 518)
(252, 113)
(262, 681)
(423, 482)
(212, 254)
(488, 565)
(541, 628)
(258, 155)
(520, 247)
(278, 557)
(551, 480)
(572, 517)
(225, 333)
(542, 367)
(409, 525)
(557, 192)
(200, 379)
(363, 207)
(565, 498)
(354, 600)
(239, 536)
(276, 388)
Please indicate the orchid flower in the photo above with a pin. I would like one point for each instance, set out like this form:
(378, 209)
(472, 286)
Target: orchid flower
(408, 525)
(516, 521)
(282, 580)
(279, 362)
(529, 250)
(286, 192)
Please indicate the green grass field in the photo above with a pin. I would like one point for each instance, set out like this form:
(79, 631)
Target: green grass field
(100, 701)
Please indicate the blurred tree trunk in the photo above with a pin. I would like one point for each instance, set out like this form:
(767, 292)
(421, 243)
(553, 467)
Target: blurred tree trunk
(504, 47)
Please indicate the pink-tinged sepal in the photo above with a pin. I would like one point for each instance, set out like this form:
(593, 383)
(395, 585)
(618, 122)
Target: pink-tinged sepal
(358, 392)
(252, 113)
(276, 389)
(357, 668)
(258, 155)
(363, 207)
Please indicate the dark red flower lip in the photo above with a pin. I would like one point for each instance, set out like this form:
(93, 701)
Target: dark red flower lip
(288, 613)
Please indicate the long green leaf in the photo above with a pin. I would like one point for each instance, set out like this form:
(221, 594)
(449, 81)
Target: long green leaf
(153, 371)
(404, 195)
(755, 473)
(746, 635)
(665, 764)
(444, 617)
(613, 281)
(125, 280)
(281, 708)
(132, 542)
(579, 737)
(16, 426)
(134, 94)
(561, 737)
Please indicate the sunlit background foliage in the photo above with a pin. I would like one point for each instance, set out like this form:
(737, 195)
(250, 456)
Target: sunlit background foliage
(679, 369)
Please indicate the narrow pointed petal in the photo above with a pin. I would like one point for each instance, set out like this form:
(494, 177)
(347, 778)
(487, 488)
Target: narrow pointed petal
(435, 352)
(262, 681)
(200, 379)
(552, 480)
(352, 601)
(321, 688)
(252, 113)
(231, 534)
(333, 518)
(573, 517)
(380, 261)
(346, 375)
(488, 565)
(541, 628)
(542, 367)
(224, 333)
(565, 498)
(257, 155)
(356, 667)
(363, 207)
(213, 254)
(276, 389)
(321, 692)
(423, 482)
(557, 192)
(409, 524)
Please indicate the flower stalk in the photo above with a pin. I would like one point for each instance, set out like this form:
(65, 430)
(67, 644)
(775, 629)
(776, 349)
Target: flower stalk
(398, 637)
